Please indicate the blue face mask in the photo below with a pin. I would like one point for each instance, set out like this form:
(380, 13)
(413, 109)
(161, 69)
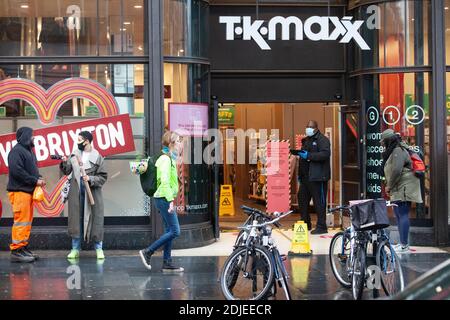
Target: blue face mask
(309, 132)
(174, 155)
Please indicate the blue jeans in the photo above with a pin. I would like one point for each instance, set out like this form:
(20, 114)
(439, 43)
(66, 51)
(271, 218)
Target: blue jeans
(402, 215)
(172, 229)
(76, 242)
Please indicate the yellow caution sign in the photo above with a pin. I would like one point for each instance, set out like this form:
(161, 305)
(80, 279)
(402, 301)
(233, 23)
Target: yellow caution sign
(300, 272)
(300, 243)
(226, 200)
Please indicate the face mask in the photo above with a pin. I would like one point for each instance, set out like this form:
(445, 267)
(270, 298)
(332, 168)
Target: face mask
(309, 132)
(32, 143)
(174, 155)
(81, 146)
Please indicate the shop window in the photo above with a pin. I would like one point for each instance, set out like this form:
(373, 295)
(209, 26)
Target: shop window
(185, 28)
(401, 38)
(126, 83)
(188, 83)
(401, 102)
(61, 28)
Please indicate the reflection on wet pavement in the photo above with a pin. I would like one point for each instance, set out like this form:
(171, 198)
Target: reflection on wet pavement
(124, 277)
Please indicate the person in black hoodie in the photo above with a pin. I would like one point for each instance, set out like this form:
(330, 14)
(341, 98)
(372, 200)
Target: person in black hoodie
(23, 178)
(314, 173)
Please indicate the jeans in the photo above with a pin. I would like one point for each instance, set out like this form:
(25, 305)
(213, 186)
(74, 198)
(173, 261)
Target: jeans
(172, 229)
(402, 215)
(76, 242)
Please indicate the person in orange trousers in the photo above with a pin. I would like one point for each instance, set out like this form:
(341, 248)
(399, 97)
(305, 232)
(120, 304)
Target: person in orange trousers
(23, 178)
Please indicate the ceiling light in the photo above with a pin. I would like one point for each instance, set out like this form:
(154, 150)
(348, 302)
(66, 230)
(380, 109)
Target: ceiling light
(137, 6)
(446, 8)
(24, 6)
(127, 23)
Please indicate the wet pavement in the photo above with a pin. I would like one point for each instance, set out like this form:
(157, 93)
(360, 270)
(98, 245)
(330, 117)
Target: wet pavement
(123, 277)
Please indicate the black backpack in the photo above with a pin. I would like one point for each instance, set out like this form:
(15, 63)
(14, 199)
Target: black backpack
(149, 179)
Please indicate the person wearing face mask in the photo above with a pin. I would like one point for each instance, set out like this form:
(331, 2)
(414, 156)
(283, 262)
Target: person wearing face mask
(314, 173)
(23, 178)
(167, 189)
(86, 221)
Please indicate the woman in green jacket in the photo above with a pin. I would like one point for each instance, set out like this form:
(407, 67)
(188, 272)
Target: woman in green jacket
(402, 185)
(167, 183)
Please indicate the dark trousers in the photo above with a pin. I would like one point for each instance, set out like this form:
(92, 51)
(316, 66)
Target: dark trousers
(316, 190)
(402, 215)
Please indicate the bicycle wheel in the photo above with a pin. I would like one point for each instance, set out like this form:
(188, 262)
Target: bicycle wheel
(339, 255)
(240, 239)
(391, 275)
(247, 274)
(359, 272)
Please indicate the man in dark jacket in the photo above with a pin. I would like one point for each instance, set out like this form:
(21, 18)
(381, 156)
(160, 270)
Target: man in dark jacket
(314, 173)
(23, 178)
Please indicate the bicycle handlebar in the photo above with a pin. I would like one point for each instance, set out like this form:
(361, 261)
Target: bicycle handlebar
(250, 210)
(274, 221)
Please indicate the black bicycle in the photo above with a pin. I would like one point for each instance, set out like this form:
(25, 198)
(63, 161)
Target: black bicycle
(256, 266)
(253, 215)
(348, 258)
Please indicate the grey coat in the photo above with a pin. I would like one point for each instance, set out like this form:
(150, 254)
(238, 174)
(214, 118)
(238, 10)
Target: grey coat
(93, 215)
(400, 179)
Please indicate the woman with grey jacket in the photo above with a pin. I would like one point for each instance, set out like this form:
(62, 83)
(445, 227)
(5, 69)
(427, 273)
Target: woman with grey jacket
(402, 185)
(86, 221)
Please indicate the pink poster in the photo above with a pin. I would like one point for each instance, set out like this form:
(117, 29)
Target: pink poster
(278, 178)
(188, 119)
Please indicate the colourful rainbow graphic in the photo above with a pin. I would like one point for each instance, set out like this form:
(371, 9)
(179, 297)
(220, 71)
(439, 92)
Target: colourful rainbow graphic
(47, 104)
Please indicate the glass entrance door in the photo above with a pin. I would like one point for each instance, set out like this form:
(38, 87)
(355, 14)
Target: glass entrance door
(352, 155)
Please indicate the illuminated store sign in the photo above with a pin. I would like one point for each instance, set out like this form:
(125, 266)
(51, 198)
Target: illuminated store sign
(261, 31)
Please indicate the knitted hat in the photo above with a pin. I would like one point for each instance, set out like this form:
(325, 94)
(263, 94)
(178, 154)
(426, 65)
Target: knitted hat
(388, 133)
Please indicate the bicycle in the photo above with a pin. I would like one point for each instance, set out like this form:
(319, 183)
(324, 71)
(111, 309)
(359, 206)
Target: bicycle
(255, 266)
(253, 214)
(348, 253)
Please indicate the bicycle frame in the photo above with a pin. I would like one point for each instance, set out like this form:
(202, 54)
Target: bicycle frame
(258, 233)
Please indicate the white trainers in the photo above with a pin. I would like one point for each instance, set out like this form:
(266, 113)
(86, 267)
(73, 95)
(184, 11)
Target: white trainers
(402, 249)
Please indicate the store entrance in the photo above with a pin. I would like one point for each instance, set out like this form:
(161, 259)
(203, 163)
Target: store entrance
(248, 180)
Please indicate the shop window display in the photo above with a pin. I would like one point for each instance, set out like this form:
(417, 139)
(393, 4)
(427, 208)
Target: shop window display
(126, 83)
(72, 28)
(401, 102)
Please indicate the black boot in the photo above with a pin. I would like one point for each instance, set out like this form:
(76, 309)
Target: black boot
(28, 252)
(319, 231)
(19, 255)
(169, 267)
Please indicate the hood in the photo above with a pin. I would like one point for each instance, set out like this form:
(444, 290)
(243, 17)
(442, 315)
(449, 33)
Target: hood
(23, 136)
